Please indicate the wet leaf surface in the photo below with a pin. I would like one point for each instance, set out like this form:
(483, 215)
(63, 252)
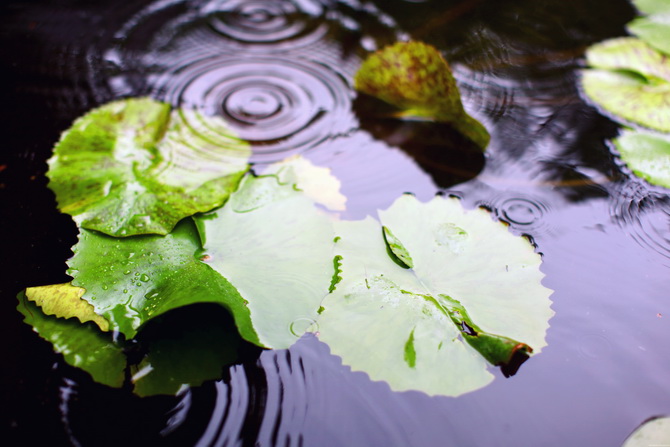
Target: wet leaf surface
(410, 327)
(138, 167)
(647, 155)
(276, 247)
(131, 280)
(630, 80)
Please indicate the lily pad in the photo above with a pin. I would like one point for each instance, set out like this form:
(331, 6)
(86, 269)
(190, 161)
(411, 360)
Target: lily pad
(82, 345)
(131, 280)
(652, 6)
(405, 326)
(415, 78)
(138, 167)
(276, 247)
(631, 80)
(655, 432)
(653, 29)
(647, 155)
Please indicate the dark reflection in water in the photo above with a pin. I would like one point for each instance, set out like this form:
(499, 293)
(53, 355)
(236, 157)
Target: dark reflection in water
(280, 73)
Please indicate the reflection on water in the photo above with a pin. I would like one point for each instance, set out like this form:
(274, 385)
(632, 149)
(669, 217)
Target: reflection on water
(280, 73)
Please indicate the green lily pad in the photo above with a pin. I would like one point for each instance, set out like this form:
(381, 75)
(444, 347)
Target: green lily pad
(64, 301)
(131, 280)
(415, 78)
(652, 6)
(653, 29)
(655, 432)
(647, 155)
(409, 327)
(276, 247)
(630, 80)
(137, 167)
(82, 345)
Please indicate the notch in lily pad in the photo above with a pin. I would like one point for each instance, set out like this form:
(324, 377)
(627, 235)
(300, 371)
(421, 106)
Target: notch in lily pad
(414, 78)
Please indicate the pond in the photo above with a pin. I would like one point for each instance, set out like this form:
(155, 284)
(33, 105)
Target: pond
(281, 74)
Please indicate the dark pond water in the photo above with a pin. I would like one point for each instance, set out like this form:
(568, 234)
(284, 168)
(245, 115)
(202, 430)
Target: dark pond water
(280, 72)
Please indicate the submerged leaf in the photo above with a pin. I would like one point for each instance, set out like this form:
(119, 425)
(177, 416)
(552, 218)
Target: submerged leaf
(185, 348)
(137, 167)
(411, 327)
(274, 245)
(64, 301)
(82, 345)
(647, 155)
(631, 80)
(414, 77)
(131, 280)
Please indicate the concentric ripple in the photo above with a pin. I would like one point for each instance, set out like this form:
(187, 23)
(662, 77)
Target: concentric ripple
(279, 72)
(525, 214)
(281, 106)
(265, 22)
(646, 218)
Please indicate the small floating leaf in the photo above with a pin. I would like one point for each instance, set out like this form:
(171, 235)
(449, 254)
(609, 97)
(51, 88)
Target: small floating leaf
(378, 307)
(398, 251)
(82, 345)
(496, 349)
(647, 155)
(414, 77)
(137, 167)
(274, 245)
(316, 182)
(631, 80)
(655, 432)
(64, 301)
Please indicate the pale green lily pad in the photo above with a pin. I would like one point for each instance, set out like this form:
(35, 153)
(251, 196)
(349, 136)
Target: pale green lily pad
(64, 301)
(131, 280)
(655, 432)
(138, 167)
(653, 29)
(415, 78)
(402, 326)
(276, 247)
(82, 345)
(652, 6)
(630, 80)
(647, 155)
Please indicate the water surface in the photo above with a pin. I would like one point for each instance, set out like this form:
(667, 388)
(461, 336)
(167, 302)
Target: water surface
(280, 73)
